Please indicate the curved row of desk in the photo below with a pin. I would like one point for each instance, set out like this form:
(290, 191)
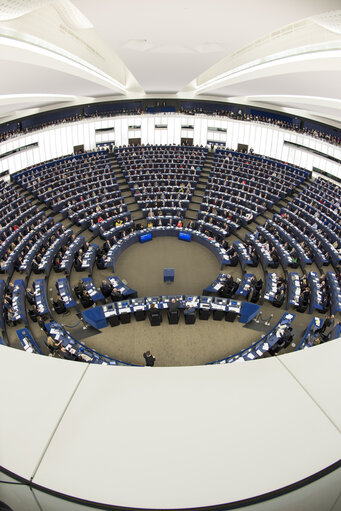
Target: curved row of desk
(183, 234)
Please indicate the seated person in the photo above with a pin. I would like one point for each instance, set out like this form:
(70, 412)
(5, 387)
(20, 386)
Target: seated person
(30, 296)
(86, 300)
(33, 313)
(59, 306)
(234, 258)
(52, 344)
(9, 317)
(229, 287)
(106, 288)
(283, 342)
(78, 263)
(173, 305)
(154, 315)
(35, 266)
(116, 295)
(56, 264)
(189, 311)
(279, 298)
(79, 288)
(100, 263)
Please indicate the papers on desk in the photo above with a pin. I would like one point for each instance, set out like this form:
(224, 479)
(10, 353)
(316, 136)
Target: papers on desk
(218, 286)
(234, 309)
(192, 304)
(217, 306)
(123, 310)
(251, 356)
(70, 349)
(27, 346)
(86, 357)
(138, 307)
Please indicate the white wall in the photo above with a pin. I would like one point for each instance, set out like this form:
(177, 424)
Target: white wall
(173, 437)
(267, 140)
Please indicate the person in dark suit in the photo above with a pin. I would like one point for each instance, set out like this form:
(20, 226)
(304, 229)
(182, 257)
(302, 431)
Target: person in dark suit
(173, 305)
(35, 266)
(86, 300)
(106, 288)
(150, 360)
(100, 263)
(78, 263)
(116, 295)
(234, 258)
(189, 310)
(30, 296)
(229, 287)
(328, 322)
(79, 289)
(154, 315)
(33, 313)
(41, 324)
(283, 342)
(59, 306)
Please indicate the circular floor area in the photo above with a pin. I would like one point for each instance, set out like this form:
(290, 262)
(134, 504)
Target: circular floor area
(141, 265)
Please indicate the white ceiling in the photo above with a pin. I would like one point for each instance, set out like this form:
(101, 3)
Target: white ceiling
(133, 48)
(176, 30)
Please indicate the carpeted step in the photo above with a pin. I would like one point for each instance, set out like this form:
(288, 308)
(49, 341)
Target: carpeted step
(137, 215)
(134, 208)
(191, 215)
(194, 207)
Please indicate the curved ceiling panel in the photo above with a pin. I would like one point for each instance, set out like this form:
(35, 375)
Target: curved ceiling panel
(187, 49)
(183, 27)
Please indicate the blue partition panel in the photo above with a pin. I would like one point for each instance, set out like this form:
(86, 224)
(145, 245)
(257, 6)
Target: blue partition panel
(146, 237)
(248, 312)
(184, 236)
(95, 317)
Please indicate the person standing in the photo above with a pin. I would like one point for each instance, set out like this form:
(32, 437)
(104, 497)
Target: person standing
(329, 321)
(150, 360)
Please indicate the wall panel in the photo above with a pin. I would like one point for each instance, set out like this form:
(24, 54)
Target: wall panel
(266, 140)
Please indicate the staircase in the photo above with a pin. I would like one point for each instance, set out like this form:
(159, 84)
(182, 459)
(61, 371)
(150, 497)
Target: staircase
(133, 207)
(194, 205)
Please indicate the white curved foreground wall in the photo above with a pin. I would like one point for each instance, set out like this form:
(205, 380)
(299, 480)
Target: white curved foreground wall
(172, 437)
(265, 139)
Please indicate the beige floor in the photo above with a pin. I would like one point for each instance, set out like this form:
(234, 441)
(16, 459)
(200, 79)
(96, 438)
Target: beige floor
(142, 265)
